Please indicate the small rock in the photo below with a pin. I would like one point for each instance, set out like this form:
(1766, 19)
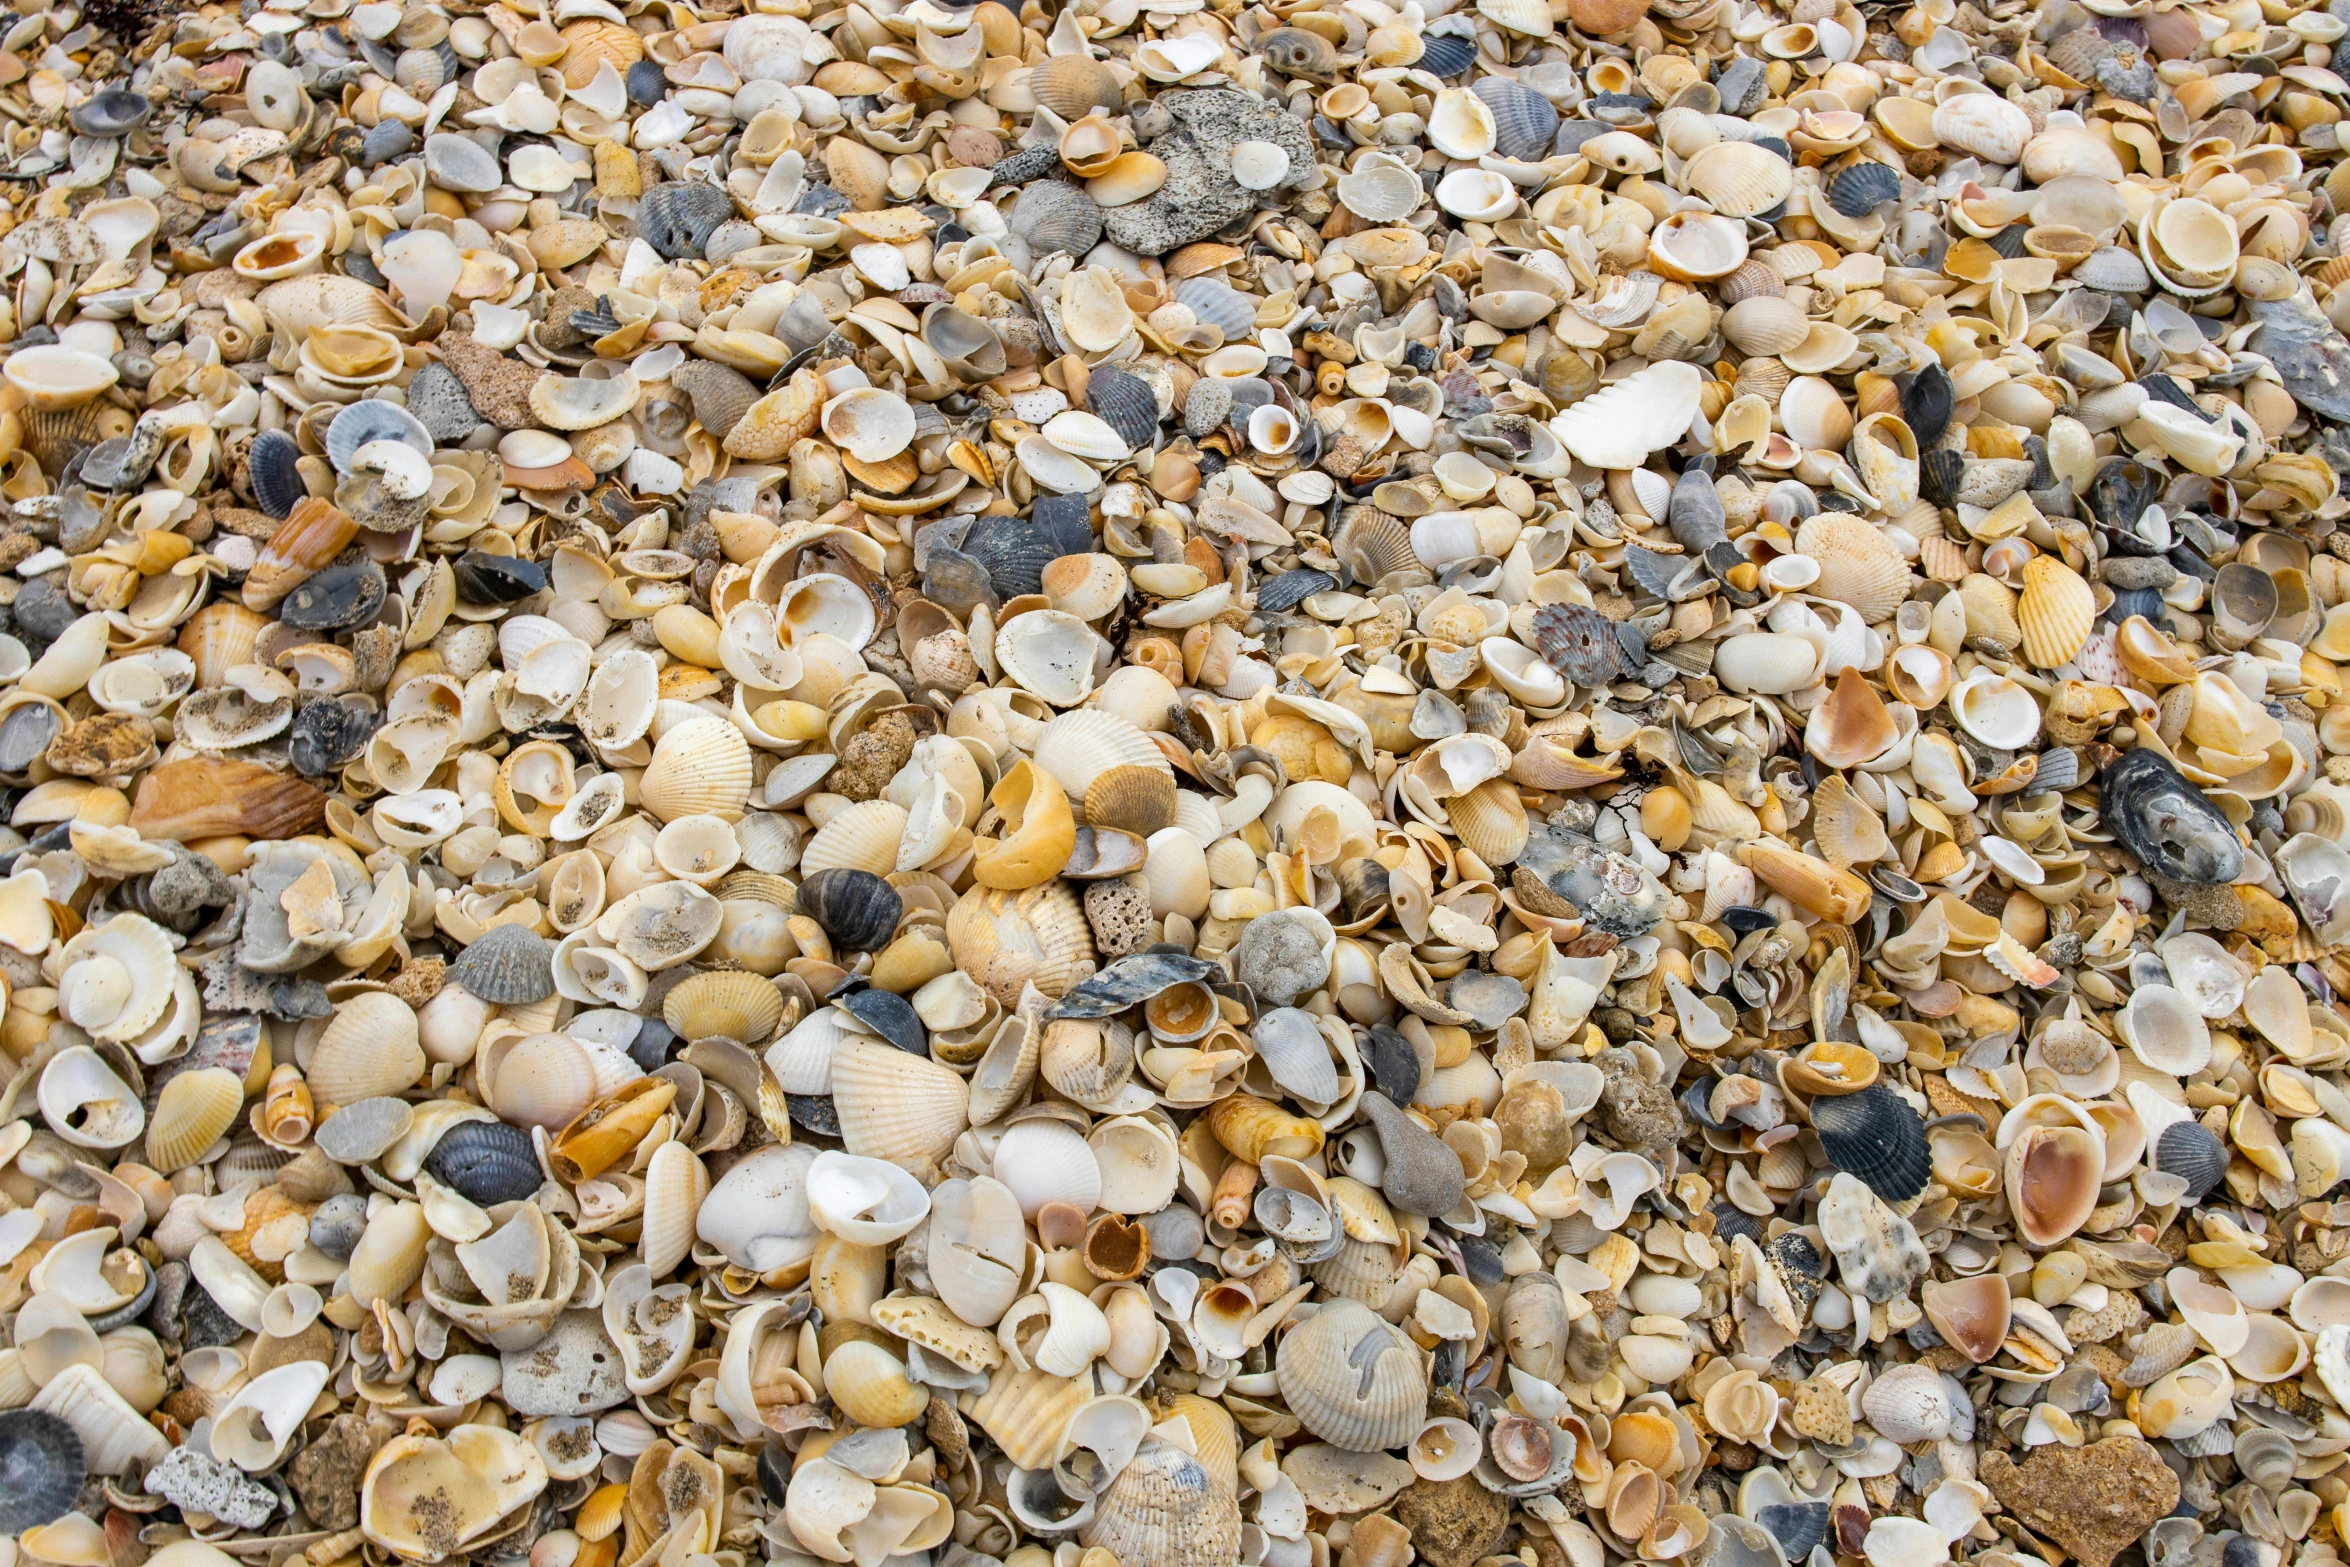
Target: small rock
(2095, 1501)
(1454, 1523)
(324, 1476)
(196, 1484)
(498, 387)
(1423, 1176)
(437, 398)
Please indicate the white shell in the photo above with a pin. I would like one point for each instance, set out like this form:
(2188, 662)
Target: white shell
(1049, 654)
(1621, 424)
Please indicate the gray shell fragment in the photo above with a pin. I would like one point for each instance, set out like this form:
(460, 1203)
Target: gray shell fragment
(574, 1370)
(2313, 358)
(1129, 982)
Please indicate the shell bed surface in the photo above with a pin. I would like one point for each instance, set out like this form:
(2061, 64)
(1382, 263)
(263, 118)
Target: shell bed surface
(1196, 784)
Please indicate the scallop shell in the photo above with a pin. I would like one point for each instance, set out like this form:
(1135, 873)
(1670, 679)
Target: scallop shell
(863, 837)
(1875, 1135)
(194, 1111)
(1056, 218)
(1764, 324)
(1858, 564)
(1622, 423)
(42, 1456)
(1132, 797)
(702, 766)
(895, 1106)
(1073, 86)
(1859, 190)
(1006, 940)
(728, 1003)
(1165, 1508)
(720, 394)
(507, 965)
(369, 1050)
(1378, 190)
(1524, 121)
(2056, 612)
(1354, 1379)
(1739, 179)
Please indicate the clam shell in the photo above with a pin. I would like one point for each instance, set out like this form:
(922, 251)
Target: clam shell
(1165, 1507)
(678, 217)
(857, 909)
(700, 767)
(1739, 179)
(1524, 121)
(1876, 1136)
(894, 1106)
(369, 1049)
(1006, 939)
(508, 965)
(1056, 218)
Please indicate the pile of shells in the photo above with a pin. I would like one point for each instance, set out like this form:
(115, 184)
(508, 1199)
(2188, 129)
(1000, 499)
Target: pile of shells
(1535, 782)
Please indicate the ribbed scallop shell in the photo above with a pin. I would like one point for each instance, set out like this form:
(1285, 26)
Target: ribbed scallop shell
(864, 837)
(1739, 179)
(1219, 304)
(1861, 188)
(1012, 552)
(721, 395)
(676, 218)
(1381, 191)
(1447, 54)
(1126, 404)
(1166, 1509)
(191, 1114)
(591, 43)
(1354, 1379)
(269, 469)
(1765, 324)
(1132, 797)
(1371, 543)
(1490, 821)
(369, 1049)
(2056, 612)
(1073, 87)
(702, 765)
(1005, 940)
(728, 1002)
(1858, 566)
(1077, 748)
(486, 1162)
(510, 965)
(896, 1106)
(1875, 1135)
(1025, 1413)
(2188, 1150)
(1054, 217)
(1523, 120)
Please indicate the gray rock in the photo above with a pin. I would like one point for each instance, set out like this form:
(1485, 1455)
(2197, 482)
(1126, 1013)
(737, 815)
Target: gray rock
(574, 1370)
(1207, 407)
(1200, 196)
(437, 398)
(2138, 571)
(196, 1484)
(43, 611)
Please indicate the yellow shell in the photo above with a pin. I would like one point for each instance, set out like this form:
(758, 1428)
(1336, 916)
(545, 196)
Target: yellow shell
(702, 765)
(1039, 831)
(193, 1111)
(770, 426)
(1254, 1129)
(1026, 1412)
(1491, 821)
(591, 43)
(724, 1002)
(2055, 612)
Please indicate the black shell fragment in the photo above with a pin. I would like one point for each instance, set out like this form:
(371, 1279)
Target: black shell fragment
(1797, 1526)
(2166, 822)
(497, 579)
(486, 1162)
(889, 1015)
(676, 218)
(1926, 400)
(2170, 389)
(2189, 1150)
(2119, 495)
(269, 467)
(2312, 358)
(1940, 472)
(336, 599)
(328, 736)
(1876, 1136)
(41, 1469)
(1394, 1064)
(814, 1113)
(1066, 521)
(1579, 642)
(1862, 188)
(857, 909)
(647, 82)
(1293, 588)
(1131, 981)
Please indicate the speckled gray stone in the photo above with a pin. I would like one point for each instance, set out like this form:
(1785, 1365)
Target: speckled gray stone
(437, 398)
(1207, 406)
(196, 1484)
(574, 1370)
(1200, 196)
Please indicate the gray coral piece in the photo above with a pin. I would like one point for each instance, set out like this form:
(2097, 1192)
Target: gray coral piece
(1201, 196)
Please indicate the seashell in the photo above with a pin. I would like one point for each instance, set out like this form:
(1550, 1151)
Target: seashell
(422, 1497)
(1056, 218)
(42, 1456)
(1971, 1314)
(507, 965)
(2166, 822)
(1354, 1380)
(856, 908)
(1739, 179)
(117, 978)
(85, 1103)
(1378, 190)
(726, 1004)
(2055, 611)
(1857, 191)
(1164, 1506)
(486, 1162)
(1875, 1135)
(895, 1106)
(1696, 246)
(701, 767)
(1992, 129)
(677, 218)
(1622, 423)
(2053, 1173)
(1073, 86)
(1907, 1403)
(194, 1111)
